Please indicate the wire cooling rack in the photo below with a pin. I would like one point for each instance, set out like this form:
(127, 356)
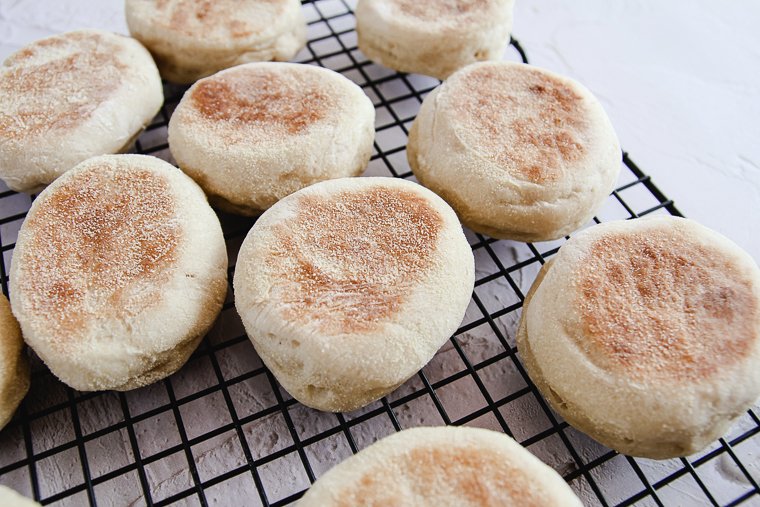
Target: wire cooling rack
(222, 432)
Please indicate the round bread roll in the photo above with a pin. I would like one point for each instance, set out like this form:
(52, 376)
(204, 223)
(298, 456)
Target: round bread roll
(70, 97)
(14, 367)
(9, 498)
(191, 39)
(119, 270)
(442, 466)
(645, 334)
(519, 152)
(255, 133)
(433, 37)
(348, 287)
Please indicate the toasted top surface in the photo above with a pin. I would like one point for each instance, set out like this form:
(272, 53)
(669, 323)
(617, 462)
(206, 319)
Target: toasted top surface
(236, 19)
(478, 475)
(448, 16)
(442, 466)
(530, 122)
(98, 243)
(258, 102)
(346, 260)
(59, 82)
(435, 10)
(657, 303)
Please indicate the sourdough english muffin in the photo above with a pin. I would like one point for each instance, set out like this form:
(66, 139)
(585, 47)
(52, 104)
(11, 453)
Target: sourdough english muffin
(191, 39)
(255, 133)
(433, 37)
(519, 152)
(14, 367)
(118, 272)
(645, 334)
(348, 287)
(443, 466)
(66, 98)
(9, 498)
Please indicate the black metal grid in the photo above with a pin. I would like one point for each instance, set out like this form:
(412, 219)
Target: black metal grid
(221, 431)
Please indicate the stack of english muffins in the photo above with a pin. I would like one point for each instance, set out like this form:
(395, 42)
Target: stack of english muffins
(644, 334)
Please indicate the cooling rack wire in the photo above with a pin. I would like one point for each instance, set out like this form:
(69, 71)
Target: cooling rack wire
(222, 431)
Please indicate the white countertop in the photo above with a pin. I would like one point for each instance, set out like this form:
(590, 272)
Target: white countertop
(679, 80)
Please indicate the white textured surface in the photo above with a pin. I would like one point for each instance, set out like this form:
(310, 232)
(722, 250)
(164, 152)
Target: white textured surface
(678, 80)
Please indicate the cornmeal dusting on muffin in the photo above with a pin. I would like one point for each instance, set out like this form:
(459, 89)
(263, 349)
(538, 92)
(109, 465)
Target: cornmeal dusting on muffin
(57, 83)
(433, 10)
(349, 259)
(192, 17)
(263, 103)
(96, 246)
(480, 476)
(530, 123)
(658, 306)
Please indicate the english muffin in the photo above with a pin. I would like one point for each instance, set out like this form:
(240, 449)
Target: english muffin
(433, 37)
(348, 287)
(119, 270)
(444, 466)
(9, 498)
(645, 334)
(14, 367)
(519, 152)
(191, 39)
(66, 98)
(255, 133)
